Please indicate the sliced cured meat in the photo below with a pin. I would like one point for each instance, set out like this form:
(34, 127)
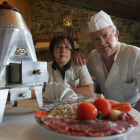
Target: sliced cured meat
(62, 124)
(89, 128)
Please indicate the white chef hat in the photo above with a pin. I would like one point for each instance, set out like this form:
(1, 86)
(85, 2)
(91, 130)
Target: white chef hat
(99, 21)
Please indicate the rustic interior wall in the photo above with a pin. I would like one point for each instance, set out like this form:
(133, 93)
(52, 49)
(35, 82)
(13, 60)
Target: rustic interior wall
(47, 16)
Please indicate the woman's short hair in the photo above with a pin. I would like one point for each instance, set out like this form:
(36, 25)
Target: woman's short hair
(60, 38)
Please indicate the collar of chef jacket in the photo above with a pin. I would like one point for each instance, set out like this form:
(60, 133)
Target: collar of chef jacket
(66, 67)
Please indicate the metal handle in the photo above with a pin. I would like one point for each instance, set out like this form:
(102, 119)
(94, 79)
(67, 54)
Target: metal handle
(37, 71)
(23, 95)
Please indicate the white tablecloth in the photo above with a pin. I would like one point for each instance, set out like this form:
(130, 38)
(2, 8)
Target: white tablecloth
(19, 124)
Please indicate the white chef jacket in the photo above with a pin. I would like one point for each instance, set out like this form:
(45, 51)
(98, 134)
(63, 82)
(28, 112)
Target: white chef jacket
(75, 76)
(123, 81)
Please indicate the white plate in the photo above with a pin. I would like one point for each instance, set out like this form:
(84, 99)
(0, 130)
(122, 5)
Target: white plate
(124, 136)
(57, 136)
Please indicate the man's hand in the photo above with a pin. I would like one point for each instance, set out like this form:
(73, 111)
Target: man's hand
(80, 60)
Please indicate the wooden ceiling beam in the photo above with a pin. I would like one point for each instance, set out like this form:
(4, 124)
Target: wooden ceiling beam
(137, 1)
(127, 3)
(115, 12)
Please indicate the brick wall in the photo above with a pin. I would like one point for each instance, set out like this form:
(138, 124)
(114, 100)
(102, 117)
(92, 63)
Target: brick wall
(47, 16)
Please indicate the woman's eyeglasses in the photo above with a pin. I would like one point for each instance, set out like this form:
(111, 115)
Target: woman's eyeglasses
(60, 48)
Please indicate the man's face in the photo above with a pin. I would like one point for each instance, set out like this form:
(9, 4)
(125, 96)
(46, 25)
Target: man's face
(105, 41)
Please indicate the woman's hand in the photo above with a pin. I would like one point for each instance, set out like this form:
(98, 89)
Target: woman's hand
(87, 90)
(80, 60)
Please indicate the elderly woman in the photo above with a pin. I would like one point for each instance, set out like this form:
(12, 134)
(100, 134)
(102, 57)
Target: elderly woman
(65, 79)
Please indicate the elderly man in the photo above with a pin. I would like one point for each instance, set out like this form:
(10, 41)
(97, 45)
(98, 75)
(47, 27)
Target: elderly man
(115, 65)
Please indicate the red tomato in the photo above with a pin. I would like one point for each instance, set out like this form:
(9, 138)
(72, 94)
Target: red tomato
(103, 106)
(86, 111)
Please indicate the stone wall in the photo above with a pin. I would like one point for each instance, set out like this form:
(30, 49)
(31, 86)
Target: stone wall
(47, 16)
